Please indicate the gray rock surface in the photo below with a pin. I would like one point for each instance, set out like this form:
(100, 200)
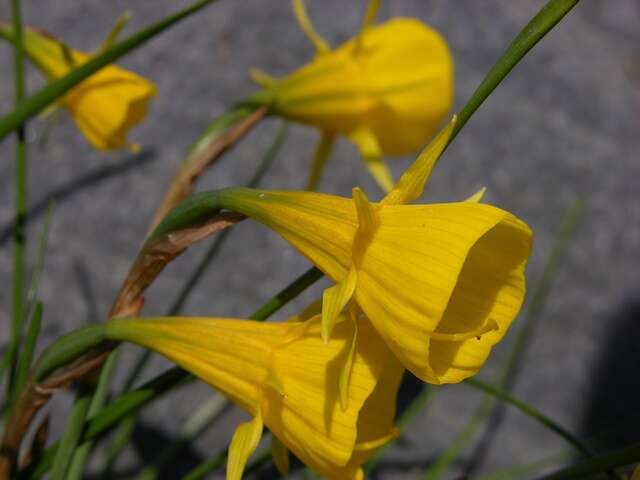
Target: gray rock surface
(566, 122)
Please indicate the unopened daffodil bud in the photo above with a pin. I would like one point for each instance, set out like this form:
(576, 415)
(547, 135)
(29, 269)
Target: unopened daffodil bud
(441, 283)
(106, 105)
(387, 90)
(288, 380)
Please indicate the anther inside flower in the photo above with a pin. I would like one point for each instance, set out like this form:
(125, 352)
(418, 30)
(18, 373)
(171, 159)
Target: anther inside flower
(387, 90)
(287, 379)
(106, 105)
(441, 283)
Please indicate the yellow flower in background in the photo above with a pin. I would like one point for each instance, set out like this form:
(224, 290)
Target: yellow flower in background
(387, 90)
(441, 283)
(287, 379)
(106, 105)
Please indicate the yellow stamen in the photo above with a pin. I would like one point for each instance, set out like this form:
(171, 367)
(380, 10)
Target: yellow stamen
(489, 326)
(307, 27)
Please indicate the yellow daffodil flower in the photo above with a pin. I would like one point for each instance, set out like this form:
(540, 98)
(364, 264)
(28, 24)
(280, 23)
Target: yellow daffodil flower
(287, 379)
(106, 105)
(441, 283)
(387, 90)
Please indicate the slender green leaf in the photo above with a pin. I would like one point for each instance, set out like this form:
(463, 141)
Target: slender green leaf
(26, 355)
(47, 95)
(72, 433)
(36, 271)
(98, 399)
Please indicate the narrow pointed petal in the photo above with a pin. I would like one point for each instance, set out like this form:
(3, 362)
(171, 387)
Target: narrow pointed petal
(307, 27)
(411, 184)
(244, 442)
(334, 300)
(371, 152)
(477, 197)
(280, 455)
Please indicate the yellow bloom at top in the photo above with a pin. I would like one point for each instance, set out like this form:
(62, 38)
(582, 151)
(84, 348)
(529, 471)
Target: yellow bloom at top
(106, 105)
(387, 90)
(440, 283)
(287, 379)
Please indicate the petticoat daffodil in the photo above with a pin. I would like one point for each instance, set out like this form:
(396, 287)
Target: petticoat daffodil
(286, 378)
(387, 90)
(441, 283)
(107, 104)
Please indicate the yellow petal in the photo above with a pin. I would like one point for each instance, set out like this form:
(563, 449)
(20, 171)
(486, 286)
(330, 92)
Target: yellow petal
(308, 418)
(334, 300)
(307, 27)
(449, 269)
(394, 80)
(477, 197)
(411, 184)
(423, 270)
(280, 455)
(244, 442)
(375, 423)
(283, 373)
(107, 104)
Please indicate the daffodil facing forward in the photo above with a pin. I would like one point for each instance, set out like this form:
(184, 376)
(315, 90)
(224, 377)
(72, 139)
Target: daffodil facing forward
(287, 379)
(441, 283)
(387, 90)
(106, 105)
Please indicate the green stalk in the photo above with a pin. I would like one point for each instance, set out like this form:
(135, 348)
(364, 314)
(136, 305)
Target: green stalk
(19, 239)
(54, 90)
(26, 355)
(529, 36)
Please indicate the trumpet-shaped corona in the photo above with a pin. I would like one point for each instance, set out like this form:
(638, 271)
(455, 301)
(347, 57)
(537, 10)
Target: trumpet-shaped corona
(106, 105)
(441, 283)
(387, 90)
(287, 379)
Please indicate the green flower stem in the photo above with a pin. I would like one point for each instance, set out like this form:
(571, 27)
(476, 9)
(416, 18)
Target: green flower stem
(72, 345)
(19, 238)
(54, 90)
(598, 464)
(529, 36)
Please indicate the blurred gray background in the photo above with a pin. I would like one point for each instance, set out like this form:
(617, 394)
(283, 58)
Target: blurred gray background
(566, 122)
